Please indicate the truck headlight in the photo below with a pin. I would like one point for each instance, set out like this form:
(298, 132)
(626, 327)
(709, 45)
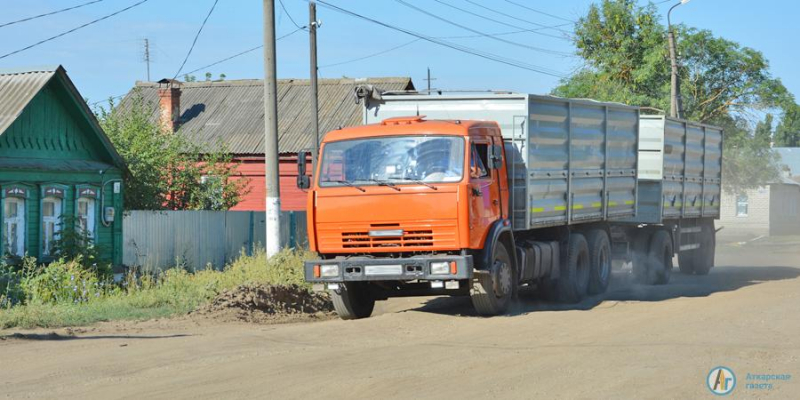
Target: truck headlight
(440, 268)
(329, 271)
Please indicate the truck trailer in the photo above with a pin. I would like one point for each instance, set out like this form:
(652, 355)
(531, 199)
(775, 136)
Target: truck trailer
(482, 194)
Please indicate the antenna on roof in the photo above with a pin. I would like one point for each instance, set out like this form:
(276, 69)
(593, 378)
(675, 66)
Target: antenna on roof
(418, 110)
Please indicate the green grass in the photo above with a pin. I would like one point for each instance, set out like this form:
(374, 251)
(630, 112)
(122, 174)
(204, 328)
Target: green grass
(175, 292)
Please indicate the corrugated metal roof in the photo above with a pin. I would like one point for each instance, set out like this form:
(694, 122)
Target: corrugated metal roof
(232, 112)
(17, 89)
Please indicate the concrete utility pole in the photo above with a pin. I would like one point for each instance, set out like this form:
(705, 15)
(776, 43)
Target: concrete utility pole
(676, 104)
(273, 210)
(147, 56)
(312, 36)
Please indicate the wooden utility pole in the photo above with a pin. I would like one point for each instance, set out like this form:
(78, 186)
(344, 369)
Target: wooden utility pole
(273, 201)
(429, 80)
(312, 35)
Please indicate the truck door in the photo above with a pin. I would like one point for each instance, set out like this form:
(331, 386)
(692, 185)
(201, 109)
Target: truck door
(484, 206)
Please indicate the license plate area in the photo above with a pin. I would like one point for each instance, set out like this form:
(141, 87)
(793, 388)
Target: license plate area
(378, 270)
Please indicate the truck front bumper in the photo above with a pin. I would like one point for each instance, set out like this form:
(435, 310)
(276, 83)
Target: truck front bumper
(389, 269)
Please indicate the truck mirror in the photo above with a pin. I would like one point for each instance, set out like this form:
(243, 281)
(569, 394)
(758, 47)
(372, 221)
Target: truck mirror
(496, 157)
(302, 179)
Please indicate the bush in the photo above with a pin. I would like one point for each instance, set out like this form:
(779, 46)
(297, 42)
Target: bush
(61, 282)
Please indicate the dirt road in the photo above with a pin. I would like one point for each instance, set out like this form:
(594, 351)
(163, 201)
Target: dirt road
(636, 342)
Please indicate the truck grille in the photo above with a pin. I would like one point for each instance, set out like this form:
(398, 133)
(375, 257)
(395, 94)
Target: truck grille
(352, 240)
(417, 236)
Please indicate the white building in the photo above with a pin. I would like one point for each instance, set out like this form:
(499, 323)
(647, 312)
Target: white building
(769, 210)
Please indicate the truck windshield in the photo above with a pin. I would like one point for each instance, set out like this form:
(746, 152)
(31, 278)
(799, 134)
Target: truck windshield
(395, 159)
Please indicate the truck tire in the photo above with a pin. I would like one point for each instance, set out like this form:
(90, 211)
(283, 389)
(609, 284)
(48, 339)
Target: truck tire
(491, 292)
(600, 261)
(704, 256)
(686, 260)
(353, 301)
(656, 267)
(573, 283)
(700, 261)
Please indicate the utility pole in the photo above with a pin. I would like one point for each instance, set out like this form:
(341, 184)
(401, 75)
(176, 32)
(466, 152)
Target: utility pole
(676, 104)
(312, 36)
(147, 56)
(429, 80)
(273, 204)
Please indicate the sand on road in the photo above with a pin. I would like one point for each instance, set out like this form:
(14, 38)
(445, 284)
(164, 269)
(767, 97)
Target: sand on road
(634, 342)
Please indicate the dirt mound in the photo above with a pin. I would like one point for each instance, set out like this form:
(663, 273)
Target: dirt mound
(268, 303)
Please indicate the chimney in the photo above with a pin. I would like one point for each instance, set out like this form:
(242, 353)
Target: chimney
(169, 104)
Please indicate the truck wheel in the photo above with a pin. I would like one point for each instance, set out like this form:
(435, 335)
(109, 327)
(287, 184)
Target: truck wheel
(700, 261)
(353, 301)
(656, 267)
(491, 293)
(686, 260)
(600, 260)
(704, 256)
(574, 280)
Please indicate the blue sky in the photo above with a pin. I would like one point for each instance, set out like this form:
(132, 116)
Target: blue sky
(106, 59)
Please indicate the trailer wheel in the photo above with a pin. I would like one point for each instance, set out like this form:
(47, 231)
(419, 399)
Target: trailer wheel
(686, 260)
(353, 301)
(700, 261)
(656, 267)
(574, 280)
(491, 293)
(704, 256)
(600, 260)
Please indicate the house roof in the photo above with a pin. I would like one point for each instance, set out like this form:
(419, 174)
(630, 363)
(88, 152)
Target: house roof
(20, 85)
(232, 112)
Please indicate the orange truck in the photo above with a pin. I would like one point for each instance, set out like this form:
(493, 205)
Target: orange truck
(493, 192)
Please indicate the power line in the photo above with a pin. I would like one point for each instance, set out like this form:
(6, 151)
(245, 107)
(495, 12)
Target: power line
(540, 12)
(244, 52)
(195, 39)
(73, 29)
(479, 32)
(414, 41)
(536, 31)
(454, 46)
(285, 11)
(48, 14)
(371, 55)
(516, 18)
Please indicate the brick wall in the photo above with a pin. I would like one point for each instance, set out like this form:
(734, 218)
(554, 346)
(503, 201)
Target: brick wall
(755, 223)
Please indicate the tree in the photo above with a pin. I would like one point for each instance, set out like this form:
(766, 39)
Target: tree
(763, 132)
(624, 47)
(787, 134)
(167, 171)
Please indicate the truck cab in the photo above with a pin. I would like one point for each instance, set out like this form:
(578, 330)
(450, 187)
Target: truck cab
(404, 207)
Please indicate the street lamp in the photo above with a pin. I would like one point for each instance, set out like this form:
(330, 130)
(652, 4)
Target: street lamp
(675, 108)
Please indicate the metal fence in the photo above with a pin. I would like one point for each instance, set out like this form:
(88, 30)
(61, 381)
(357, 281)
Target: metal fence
(164, 239)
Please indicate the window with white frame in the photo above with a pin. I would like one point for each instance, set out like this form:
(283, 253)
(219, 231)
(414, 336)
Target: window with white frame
(741, 205)
(51, 223)
(86, 216)
(14, 226)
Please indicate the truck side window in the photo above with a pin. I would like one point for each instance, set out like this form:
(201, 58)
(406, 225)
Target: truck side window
(479, 160)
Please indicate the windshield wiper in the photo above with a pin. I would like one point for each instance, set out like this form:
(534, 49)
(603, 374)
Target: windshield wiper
(385, 183)
(419, 182)
(348, 183)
